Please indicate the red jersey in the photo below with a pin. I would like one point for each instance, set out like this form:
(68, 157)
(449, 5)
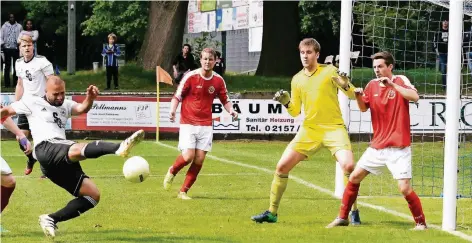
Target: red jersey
(197, 94)
(390, 114)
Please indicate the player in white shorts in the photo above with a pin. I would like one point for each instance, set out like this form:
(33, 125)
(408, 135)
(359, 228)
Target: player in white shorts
(388, 98)
(196, 91)
(33, 71)
(8, 180)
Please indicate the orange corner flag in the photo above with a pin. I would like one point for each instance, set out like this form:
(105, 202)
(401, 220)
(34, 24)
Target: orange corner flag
(162, 76)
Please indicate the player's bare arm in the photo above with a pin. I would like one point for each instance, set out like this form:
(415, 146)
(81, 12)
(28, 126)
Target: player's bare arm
(86, 105)
(409, 94)
(360, 102)
(174, 103)
(19, 89)
(229, 108)
(12, 127)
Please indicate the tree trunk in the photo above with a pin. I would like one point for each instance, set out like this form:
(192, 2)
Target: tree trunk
(280, 39)
(163, 38)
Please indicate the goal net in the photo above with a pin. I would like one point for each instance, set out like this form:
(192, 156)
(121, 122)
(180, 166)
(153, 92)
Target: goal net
(408, 29)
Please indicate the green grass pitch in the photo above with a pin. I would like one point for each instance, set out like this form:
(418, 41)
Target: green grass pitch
(225, 196)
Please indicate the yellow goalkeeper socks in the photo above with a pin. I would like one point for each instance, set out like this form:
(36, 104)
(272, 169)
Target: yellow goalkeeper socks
(354, 205)
(279, 184)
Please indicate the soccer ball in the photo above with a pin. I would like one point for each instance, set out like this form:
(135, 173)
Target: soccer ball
(136, 169)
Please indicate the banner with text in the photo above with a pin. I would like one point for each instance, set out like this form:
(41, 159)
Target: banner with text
(256, 116)
(118, 113)
(426, 116)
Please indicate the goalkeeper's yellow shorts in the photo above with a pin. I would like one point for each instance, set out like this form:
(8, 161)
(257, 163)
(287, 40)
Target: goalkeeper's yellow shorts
(310, 138)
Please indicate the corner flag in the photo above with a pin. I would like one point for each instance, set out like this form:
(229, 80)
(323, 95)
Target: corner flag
(161, 77)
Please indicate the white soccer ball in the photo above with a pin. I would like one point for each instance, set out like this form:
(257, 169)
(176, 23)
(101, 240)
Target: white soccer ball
(136, 169)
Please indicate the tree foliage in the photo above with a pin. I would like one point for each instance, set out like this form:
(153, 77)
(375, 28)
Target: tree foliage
(320, 17)
(126, 19)
(164, 34)
(405, 28)
(49, 17)
(320, 20)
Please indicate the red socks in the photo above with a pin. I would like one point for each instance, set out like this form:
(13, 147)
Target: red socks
(416, 209)
(6, 194)
(191, 177)
(349, 197)
(178, 165)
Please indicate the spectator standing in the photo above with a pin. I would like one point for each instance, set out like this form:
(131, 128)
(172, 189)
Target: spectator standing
(220, 65)
(29, 30)
(440, 47)
(10, 32)
(183, 63)
(111, 52)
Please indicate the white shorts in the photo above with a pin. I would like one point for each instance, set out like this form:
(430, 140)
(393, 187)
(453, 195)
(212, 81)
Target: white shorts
(195, 137)
(397, 160)
(6, 170)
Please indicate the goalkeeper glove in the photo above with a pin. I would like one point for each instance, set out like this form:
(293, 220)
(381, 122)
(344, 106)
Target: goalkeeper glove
(282, 96)
(342, 80)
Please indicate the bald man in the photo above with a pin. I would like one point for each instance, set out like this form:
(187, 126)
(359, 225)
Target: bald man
(59, 158)
(32, 72)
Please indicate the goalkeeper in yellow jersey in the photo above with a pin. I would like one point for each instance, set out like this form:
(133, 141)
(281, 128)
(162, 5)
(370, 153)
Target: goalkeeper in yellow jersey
(316, 87)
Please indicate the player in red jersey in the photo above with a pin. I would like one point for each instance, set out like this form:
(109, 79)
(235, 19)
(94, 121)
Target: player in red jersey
(196, 91)
(388, 98)
(8, 180)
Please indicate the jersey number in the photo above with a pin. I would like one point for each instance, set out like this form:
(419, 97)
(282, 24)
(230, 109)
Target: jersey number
(58, 120)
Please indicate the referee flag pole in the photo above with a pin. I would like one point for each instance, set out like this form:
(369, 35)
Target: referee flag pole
(161, 77)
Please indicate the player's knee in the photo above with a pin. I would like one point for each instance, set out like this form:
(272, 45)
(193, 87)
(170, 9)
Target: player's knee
(405, 189)
(8, 181)
(282, 169)
(75, 150)
(348, 168)
(355, 178)
(96, 196)
(188, 157)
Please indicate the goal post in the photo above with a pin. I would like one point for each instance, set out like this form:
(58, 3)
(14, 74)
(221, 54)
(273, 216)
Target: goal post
(454, 64)
(344, 66)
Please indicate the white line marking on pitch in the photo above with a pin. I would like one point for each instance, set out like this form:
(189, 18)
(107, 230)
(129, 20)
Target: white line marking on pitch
(117, 176)
(329, 192)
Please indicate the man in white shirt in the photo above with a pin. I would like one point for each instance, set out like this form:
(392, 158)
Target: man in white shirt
(10, 32)
(60, 158)
(32, 72)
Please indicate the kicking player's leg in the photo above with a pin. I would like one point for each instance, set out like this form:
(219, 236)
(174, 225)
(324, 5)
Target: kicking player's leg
(69, 175)
(399, 164)
(87, 198)
(192, 173)
(95, 149)
(8, 184)
(187, 144)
